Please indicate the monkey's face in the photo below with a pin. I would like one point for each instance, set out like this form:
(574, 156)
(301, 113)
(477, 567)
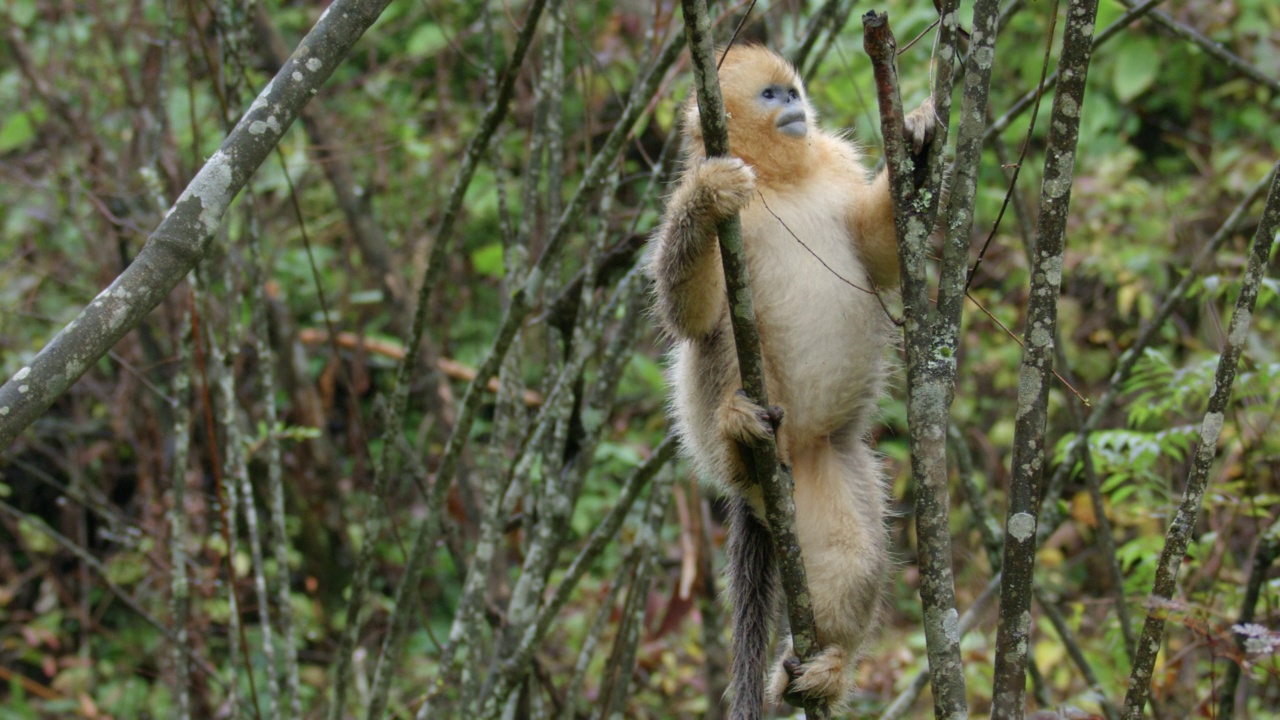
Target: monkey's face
(764, 96)
(783, 103)
(769, 116)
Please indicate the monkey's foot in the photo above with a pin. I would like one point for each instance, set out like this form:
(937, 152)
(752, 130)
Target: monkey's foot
(827, 677)
(746, 421)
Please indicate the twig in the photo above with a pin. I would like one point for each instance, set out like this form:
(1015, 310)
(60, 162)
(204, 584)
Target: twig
(1075, 652)
(1178, 536)
(1266, 553)
(1213, 49)
(179, 583)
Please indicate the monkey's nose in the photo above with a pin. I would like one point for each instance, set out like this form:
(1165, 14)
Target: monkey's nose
(792, 121)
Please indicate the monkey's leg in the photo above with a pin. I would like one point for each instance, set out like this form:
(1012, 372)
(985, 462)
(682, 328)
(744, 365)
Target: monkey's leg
(840, 509)
(753, 588)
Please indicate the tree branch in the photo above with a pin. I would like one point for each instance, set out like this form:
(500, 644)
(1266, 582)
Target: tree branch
(931, 338)
(774, 479)
(1180, 530)
(184, 236)
(1013, 634)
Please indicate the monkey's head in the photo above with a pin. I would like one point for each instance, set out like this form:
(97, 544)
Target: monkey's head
(770, 119)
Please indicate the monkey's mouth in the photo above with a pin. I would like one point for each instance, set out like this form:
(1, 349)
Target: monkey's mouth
(792, 122)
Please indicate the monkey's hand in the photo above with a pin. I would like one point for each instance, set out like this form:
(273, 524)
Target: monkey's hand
(921, 124)
(745, 421)
(826, 677)
(722, 187)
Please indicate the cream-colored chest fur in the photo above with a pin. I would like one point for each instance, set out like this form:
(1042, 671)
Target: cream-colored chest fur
(821, 329)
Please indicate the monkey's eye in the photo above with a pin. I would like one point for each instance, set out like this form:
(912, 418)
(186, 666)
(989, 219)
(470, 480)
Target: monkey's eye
(793, 94)
(767, 94)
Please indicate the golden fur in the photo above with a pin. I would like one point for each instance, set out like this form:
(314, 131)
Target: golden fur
(823, 343)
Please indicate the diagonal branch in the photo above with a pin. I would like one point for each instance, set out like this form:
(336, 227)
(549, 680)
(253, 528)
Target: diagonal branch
(1180, 530)
(185, 234)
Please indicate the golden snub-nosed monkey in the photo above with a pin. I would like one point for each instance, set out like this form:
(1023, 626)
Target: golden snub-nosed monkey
(819, 237)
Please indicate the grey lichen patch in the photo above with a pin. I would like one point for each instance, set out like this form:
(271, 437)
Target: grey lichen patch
(984, 57)
(22, 374)
(1053, 270)
(945, 622)
(261, 101)
(314, 64)
(925, 396)
(24, 389)
(119, 315)
(4, 411)
(1069, 106)
(951, 625)
(1022, 526)
(212, 187)
(1028, 389)
(1211, 428)
(1066, 164)
(1240, 327)
(1057, 187)
(271, 124)
(297, 76)
(1040, 336)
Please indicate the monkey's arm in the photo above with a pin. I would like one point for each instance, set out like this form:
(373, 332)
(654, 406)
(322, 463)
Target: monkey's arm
(871, 214)
(871, 220)
(686, 263)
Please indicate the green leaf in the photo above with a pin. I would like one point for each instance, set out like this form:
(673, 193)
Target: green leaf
(1135, 69)
(488, 260)
(17, 131)
(427, 40)
(22, 12)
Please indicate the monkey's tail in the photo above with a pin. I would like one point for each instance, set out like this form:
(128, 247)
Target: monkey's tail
(753, 584)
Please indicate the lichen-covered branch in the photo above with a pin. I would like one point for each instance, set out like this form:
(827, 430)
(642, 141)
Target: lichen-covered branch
(774, 479)
(1101, 408)
(905, 699)
(1266, 553)
(1183, 525)
(930, 338)
(184, 236)
(1035, 375)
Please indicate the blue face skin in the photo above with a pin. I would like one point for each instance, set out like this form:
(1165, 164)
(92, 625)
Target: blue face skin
(785, 99)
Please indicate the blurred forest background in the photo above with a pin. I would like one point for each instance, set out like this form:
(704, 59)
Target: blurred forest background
(283, 495)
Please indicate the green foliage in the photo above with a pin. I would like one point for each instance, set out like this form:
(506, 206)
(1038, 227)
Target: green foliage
(1170, 140)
